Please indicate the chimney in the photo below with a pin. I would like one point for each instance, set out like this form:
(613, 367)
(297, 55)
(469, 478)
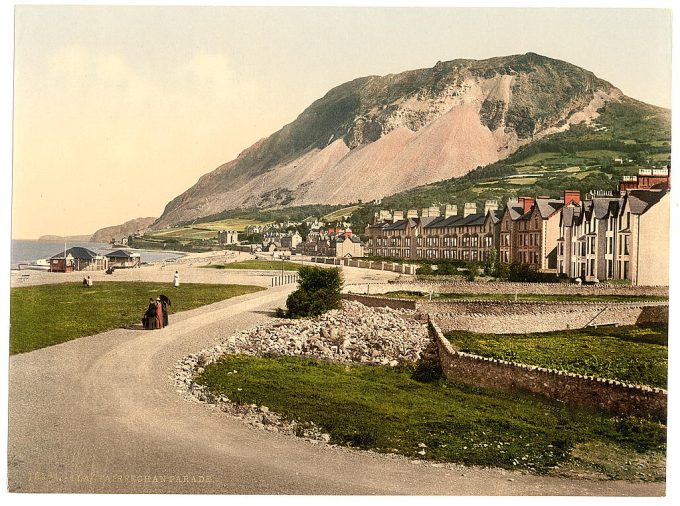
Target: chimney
(527, 202)
(434, 211)
(425, 212)
(470, 208)
(572, 196)
(385, 215)
(398, 215)
(450, 210)
(412, 213)
(490, 205)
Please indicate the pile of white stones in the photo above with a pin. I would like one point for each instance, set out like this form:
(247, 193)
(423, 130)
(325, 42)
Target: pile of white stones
(353, 334)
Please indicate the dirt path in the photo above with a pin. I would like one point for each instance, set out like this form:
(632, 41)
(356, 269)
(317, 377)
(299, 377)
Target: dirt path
(102, 414)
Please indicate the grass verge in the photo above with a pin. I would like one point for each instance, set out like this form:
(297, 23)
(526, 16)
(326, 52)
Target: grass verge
(630, 354)
(386, 410)
(525, 297)
(260, 265)
(45, 315)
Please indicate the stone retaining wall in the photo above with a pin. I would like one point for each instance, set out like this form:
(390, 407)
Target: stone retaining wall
(575, 389)
(508, 288)
(527, 317)
(368, 264)
(508, 317)
(382, 301)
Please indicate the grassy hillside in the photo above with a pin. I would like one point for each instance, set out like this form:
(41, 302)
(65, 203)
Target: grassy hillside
(581, 158)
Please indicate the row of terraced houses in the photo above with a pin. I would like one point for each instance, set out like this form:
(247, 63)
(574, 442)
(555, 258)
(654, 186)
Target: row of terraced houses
(606, 235)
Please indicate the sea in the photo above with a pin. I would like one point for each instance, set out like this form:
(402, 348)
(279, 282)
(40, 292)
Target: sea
(25, 251)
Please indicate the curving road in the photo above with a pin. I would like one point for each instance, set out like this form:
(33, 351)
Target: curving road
(102, 414)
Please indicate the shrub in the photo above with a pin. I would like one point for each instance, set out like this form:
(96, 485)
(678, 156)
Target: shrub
(319, 291)
(425, 269)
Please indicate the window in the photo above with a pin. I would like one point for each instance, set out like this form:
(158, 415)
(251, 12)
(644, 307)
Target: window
(625, 244)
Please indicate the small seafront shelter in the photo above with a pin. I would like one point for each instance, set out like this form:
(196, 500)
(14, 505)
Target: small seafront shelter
(121, 259)
(78, 259)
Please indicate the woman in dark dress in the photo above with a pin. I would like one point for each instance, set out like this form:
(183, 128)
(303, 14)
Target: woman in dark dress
(150, 316)
(165, 302)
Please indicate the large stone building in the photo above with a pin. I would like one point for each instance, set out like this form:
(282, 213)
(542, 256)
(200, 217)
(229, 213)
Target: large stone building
(606, 236)
(619, 237)
(469, 237)
(529, 228)
(227, 237)
(347, 245)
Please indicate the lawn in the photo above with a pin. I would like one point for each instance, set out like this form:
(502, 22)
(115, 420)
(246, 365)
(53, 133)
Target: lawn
(45, 315)
(629, 354)
(525, 297)
(260, 265)
(389, 411)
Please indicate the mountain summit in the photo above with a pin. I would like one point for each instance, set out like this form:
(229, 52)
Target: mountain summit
(378, 135)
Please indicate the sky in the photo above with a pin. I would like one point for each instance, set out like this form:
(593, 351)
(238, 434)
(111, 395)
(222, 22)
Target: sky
(118, 109)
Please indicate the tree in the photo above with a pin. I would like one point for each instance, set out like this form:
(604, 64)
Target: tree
(491, 264)
(319, 291)
(425, 269)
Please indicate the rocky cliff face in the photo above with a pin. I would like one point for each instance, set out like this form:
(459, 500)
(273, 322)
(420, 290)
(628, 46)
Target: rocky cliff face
(379, 135)
(118, 232)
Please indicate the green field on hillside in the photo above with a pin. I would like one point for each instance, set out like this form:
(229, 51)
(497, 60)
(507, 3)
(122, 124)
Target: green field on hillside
(206, 230)
(340, 213)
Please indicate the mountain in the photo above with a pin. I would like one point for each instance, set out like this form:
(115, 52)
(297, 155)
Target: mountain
(69, 238)
(380, 135)
(118, 232)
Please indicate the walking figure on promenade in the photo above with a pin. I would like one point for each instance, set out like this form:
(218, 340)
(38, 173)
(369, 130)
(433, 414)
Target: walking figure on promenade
(159, 313)
(175, 280)
(165, 302)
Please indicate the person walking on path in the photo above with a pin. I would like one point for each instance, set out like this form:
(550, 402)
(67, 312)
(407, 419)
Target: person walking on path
(165, 302)
(159, 313)
(175, 280)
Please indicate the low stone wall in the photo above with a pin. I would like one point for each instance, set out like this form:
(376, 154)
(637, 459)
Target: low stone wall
(575, 389)
(527, 317)
(368, 264)
(382, 301)
(508, 288)
(508, 317)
